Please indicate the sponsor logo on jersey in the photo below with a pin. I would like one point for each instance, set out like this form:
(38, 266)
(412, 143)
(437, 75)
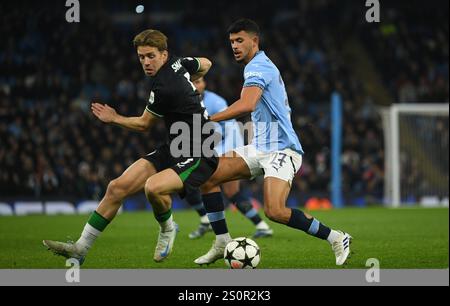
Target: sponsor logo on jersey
(252, 74)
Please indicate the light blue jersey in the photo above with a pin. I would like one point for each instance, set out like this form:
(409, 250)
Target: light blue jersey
(272, 126)
(230, 130)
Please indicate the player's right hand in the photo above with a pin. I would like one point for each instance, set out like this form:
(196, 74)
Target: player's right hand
(103, 112)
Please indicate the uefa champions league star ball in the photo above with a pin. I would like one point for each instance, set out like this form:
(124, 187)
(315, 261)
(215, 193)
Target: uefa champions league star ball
(242, 253)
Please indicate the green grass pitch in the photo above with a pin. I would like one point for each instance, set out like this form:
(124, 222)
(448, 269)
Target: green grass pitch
(399, 238)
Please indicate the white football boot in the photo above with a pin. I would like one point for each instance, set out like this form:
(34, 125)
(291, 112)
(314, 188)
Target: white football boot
(341, 248)
(165, 244)
(67, 250)
(216, 252)
(261, 233)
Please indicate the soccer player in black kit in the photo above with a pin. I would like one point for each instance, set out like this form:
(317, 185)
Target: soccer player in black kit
(174, 167)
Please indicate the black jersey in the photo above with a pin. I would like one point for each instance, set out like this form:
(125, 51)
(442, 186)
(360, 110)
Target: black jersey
(174, 98)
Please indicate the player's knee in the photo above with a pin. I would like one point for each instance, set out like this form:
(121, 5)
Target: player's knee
(116, 190)
(228, 194)
(230, 191)
(152, 188)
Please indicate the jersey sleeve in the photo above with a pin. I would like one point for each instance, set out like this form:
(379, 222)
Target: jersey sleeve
(257, 75)
(191, 64)
(155, 104)
(218, 106)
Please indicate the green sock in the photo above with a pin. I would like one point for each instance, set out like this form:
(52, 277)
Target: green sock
(165, 220)
(93, 228)
(98, 222)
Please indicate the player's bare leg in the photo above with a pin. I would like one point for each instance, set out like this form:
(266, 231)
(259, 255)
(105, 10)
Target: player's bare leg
(231, 188)
(130, 182)
(158, 189)
(276, 192)
(233, 192)
(231, 167)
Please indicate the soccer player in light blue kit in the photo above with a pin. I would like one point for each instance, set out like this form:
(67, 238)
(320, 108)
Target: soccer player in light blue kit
(231, 139)
(275, 151)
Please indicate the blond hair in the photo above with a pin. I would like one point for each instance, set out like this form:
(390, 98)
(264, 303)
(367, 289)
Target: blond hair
(151, 38)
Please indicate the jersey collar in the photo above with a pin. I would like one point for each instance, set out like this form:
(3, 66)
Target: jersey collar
(256, 54)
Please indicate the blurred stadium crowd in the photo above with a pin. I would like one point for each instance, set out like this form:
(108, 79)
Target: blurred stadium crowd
(50, 72)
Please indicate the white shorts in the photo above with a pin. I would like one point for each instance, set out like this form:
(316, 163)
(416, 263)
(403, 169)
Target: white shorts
(280, 164)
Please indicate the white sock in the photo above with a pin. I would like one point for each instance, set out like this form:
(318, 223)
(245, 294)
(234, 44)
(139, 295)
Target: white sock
(262, 225)
(88, 237)
(204, 219)
(334, 235)
(167, 225)
(223, 239)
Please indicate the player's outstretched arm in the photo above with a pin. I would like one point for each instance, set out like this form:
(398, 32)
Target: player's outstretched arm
(196, 66)
(107, 114)
(246, 104)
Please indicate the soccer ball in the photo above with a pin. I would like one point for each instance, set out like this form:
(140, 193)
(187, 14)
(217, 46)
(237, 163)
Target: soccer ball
(242, 253)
